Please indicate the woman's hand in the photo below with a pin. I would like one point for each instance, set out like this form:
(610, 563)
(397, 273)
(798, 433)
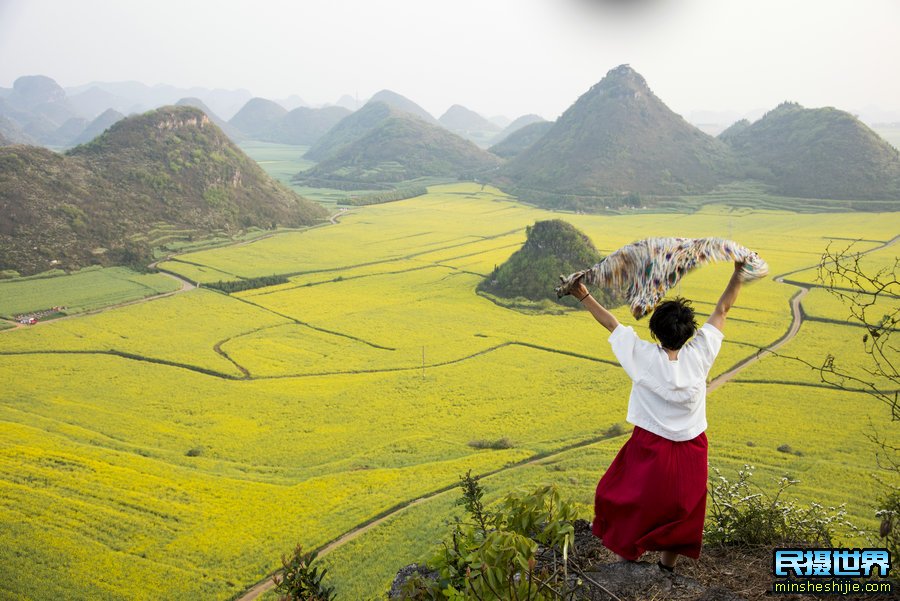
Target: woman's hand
(578, 290)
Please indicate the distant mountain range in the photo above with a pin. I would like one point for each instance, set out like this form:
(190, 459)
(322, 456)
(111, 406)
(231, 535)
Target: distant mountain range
(267, 121)
(97, 203)
(382, 144)
(619, 143)
(37, 110)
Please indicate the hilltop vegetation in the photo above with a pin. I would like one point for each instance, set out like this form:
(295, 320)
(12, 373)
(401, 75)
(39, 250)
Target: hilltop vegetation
(816, 153)
(93, 204)
(552, 248)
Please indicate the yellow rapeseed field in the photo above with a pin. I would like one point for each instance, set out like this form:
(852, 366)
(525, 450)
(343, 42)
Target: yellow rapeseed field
(176, 448)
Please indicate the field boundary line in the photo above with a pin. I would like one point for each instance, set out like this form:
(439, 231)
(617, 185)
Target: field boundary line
(132, 356)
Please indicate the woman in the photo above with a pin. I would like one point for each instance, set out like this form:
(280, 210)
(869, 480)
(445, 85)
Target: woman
(653, 496)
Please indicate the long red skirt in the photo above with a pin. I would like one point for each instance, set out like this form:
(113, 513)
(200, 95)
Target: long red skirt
(653, 497)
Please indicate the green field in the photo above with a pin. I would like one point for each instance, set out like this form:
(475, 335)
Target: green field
(88, 289)
(187, 442)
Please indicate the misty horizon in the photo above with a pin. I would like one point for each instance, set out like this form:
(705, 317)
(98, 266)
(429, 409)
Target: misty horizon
(506, 59)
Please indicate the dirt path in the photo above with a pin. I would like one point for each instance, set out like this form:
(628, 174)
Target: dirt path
(796, 322)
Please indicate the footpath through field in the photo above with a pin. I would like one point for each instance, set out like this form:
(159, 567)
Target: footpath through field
(796, 321)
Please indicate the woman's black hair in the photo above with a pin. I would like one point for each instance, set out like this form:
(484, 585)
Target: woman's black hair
(673, 323)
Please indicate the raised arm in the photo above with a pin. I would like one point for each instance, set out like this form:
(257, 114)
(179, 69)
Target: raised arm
(606, 319)
(726, 301)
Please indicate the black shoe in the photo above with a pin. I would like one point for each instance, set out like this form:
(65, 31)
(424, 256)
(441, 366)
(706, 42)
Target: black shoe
(665, 568)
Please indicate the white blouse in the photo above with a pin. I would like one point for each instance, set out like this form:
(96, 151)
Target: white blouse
(668, 397)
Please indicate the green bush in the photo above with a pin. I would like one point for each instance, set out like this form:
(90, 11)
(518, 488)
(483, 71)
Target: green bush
(493, 555)
(499, 444)
(740, 513)
(301, 580)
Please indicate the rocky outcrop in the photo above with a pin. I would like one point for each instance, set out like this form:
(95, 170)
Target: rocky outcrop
(594, 578)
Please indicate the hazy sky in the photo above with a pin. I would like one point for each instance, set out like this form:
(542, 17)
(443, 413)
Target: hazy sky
(495, 56)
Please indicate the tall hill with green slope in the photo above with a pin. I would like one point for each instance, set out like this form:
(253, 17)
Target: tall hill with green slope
(97, 203)
(404, 104)
(817, 153)
(552, 248)
(257, 116)
(618, 139)
(517, 142)
(400, 147)
(349, 130)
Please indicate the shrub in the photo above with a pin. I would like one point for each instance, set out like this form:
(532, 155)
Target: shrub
(499, 444)
(300, 580)
(740, 513)
(614, 430)
(195, 452)
(495, 554)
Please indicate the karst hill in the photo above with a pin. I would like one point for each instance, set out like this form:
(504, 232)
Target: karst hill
(96, 204)
(619, 139)
(816, 153)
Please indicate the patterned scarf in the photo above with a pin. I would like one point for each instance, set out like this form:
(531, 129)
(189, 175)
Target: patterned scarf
(646, 269)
